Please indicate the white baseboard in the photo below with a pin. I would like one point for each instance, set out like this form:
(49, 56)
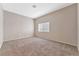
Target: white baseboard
(15, 37)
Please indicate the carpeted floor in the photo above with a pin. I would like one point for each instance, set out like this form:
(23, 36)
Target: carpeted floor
(36, 47)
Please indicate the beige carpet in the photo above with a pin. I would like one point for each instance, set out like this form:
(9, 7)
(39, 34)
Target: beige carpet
(36, 47)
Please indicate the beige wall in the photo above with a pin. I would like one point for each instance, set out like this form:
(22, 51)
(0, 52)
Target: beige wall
(17, 26)
(1, 26)
(63, 25)
(78, 25)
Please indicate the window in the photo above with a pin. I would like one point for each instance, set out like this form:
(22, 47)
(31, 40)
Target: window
(43, 27)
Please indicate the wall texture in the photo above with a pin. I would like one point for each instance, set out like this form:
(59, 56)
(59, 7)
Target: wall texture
(63, 25)
(78, 24)
(17, 26)
(1, 26)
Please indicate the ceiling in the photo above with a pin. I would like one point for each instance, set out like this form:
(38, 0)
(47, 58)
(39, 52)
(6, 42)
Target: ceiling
(26, 9)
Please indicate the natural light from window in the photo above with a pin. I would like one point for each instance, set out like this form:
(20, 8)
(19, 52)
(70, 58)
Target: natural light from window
(43, 27)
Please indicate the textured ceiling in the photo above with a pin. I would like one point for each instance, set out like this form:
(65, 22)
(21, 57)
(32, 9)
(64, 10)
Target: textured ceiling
(26, 9)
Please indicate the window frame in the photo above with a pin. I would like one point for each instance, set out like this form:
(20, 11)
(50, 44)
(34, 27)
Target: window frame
(42, 26)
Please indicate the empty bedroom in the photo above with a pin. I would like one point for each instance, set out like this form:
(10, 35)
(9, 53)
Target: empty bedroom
(39, 29)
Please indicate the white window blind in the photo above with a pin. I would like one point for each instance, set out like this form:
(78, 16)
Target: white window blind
(43, 27)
